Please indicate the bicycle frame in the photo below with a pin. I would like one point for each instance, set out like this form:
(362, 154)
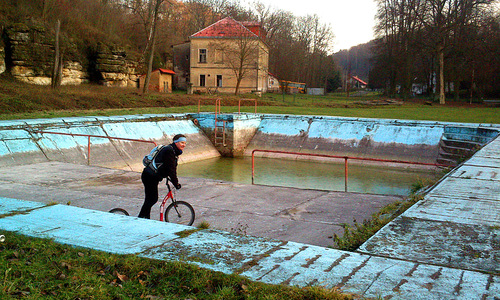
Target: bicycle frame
(170, 195)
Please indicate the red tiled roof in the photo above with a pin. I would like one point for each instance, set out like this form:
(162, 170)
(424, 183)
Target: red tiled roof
(359, 80)
(162, 71)
(227, 27)
(255, 27)
(166, 71)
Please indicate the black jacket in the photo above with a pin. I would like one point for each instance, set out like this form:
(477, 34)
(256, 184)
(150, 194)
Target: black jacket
(166, 160)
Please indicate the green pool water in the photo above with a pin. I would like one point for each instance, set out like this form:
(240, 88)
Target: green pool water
(310, 175)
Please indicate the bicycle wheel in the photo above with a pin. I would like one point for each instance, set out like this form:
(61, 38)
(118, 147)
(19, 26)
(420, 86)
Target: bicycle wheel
(180, 212)
(119, 211)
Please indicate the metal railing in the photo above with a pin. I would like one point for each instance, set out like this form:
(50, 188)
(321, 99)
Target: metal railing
(239, 104)
(89, 136)
(345, 158)
(218, 105)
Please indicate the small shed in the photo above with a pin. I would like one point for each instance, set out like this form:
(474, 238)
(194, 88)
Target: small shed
(359, 83)
(160, 81)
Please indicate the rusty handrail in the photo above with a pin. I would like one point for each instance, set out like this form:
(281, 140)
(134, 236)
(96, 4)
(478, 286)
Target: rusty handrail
(239, 104)
(88, 136)
(346, 158)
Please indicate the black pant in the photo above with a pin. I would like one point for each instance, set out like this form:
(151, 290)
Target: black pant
(151, 194)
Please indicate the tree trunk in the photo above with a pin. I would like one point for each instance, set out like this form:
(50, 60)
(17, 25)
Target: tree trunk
(154, 22)
(237, 89)
(441, 76)
(145, 88)
(56, 73)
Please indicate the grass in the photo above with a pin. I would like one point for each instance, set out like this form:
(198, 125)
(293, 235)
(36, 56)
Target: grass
(34, 268)
(23, 101)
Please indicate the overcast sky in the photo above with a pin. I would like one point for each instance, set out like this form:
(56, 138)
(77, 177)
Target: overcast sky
(351, 21)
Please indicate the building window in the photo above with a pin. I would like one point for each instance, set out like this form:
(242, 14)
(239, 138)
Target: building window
(203, 55)
(202, 80)
(219, 80)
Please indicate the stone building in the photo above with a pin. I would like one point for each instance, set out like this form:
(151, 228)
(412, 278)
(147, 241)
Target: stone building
(223, 57)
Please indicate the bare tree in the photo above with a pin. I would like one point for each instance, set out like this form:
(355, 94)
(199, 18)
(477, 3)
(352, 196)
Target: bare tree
(153, 9)
(57, 70)
(398, 27)
(241, 54)
(410, 30)
(445, 19)
(148, 11)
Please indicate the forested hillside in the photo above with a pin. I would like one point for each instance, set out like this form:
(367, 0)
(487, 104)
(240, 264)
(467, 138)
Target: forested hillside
(299, 46)
(356, 61)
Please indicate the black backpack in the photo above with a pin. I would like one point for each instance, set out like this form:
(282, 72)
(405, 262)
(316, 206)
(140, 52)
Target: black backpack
(149, 160)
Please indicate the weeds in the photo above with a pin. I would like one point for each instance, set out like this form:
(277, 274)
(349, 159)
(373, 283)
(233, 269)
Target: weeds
(357, 234)
(203, 225)
(420, 184)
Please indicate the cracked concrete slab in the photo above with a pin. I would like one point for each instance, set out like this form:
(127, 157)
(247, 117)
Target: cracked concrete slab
(457, 224)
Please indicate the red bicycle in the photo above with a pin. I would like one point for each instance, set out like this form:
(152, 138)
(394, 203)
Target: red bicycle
(179, 212)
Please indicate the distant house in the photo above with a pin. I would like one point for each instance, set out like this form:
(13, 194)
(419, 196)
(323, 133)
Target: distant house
(160, 81)
(224, 56)
(359, 83)
(273, 84)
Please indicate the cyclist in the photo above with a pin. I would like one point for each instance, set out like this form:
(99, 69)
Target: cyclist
(166, 161)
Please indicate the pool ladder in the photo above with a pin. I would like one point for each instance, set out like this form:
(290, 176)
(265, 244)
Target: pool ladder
(220, 127)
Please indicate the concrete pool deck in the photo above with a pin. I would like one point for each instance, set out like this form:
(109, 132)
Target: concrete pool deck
(447, 246)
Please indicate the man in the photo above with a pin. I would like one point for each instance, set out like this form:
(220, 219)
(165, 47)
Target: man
(166, 162)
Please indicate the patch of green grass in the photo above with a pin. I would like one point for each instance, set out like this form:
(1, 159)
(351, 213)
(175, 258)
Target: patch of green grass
(186, 233)
(24, 101)
(34, 268)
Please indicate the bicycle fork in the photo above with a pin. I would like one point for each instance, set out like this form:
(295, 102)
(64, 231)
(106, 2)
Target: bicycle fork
(163, 206)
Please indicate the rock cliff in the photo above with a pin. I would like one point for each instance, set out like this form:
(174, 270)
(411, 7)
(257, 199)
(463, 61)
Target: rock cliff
(27, 52)
(3, 67)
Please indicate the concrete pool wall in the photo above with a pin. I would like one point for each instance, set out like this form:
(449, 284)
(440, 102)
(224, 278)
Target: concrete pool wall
(418, 141)
(21, 141)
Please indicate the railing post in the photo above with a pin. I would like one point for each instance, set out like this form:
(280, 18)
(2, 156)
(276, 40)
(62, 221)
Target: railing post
(253, 165)
(346, 173)
(88, 151)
